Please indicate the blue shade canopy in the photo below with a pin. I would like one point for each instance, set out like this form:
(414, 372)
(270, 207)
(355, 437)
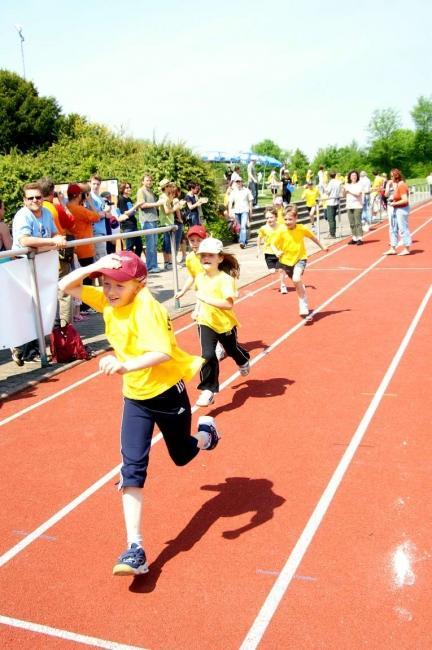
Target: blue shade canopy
(239, 157)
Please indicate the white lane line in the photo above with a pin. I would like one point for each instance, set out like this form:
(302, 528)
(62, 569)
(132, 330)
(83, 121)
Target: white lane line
(259, 626)
(64, 634)
(49, 398)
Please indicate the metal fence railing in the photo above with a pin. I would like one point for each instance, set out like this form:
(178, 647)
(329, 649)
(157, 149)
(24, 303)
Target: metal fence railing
(31, 253)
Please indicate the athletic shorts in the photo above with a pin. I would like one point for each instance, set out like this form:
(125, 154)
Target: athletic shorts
(271, 261)
(294, 272)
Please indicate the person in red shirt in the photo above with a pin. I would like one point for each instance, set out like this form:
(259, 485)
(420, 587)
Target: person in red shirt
(397, 192)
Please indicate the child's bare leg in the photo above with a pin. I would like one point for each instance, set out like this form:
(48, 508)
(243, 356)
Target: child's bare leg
(282, 281)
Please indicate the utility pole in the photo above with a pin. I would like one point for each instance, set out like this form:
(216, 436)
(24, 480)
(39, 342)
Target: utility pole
(20, 34)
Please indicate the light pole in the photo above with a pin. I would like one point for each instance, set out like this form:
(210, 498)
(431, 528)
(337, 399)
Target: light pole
(20, 34)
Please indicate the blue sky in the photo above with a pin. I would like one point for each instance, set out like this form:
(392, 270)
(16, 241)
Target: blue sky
(224, 75)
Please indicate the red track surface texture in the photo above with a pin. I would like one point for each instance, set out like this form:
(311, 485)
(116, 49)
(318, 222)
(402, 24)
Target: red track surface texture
(308, 526)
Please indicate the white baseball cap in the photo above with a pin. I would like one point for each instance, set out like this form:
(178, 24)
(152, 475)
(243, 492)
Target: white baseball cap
(210, 245)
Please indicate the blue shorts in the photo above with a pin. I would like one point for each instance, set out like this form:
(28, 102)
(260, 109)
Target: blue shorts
(171, 412)
(294, 272)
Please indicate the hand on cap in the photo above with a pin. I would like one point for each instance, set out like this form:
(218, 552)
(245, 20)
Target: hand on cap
(112, 261)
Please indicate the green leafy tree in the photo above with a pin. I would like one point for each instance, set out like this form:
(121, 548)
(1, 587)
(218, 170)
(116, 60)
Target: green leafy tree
(383, 123)
(422, 117)
(298, 162)
(398, 150)
(27, 121)
(268, 148)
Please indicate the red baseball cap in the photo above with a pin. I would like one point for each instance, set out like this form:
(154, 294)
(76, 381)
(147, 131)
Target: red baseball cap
(74, 190)
(132, 268)
(199, 231)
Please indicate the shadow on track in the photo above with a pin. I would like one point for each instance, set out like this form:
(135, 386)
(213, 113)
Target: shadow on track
(237, 496)
(253, 388)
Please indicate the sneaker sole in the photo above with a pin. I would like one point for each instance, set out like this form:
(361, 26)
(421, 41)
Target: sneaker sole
(126, 570)
(206, 404)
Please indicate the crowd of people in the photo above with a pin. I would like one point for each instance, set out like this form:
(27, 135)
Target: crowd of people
(48, 219)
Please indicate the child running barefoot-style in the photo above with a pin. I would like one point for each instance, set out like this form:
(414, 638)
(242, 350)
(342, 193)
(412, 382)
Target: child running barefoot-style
(154, 370)
(215, 293)
(289, 245)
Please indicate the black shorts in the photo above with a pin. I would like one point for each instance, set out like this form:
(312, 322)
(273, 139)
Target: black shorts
(296, 271)
(271, 261)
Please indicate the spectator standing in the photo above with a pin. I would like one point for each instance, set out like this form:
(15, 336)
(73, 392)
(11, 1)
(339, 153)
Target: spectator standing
(398, 212)
(240, 206)
(194, 203)
(353, 191)
(113, 217)
(128, 221)
(166, 217)
(64, 222)
(332, 191)
(33, 226)
(235, 176)
(252, 178)
(149, 218)
(5, 236)
(321, 179)
(273, 182)
(366, 186)
(100, 227)
(287, 188)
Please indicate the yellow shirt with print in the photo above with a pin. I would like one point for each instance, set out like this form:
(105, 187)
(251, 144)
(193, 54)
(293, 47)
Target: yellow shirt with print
(139, 327)
(311, 196)
(221, 286)
(193, 264)
(265, 233)
(291, 243)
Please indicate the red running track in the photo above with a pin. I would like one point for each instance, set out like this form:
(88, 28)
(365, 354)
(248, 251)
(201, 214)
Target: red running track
(306, 528)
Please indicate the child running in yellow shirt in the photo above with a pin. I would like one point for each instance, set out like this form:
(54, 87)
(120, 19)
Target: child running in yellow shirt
(289, 246)
(216, 291)
(195, 235)
(264, 236)
(154, 370)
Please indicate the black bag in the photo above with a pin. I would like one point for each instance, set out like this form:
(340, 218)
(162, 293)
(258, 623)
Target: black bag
(66, 254)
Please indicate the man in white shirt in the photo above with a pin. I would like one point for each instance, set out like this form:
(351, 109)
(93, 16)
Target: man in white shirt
(240, 206)
(366, 187)
(332, 191)
(253, 180)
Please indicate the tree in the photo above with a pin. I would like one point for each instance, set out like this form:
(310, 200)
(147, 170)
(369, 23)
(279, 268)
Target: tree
(422, 114)
(268, 148)
(27, 121)
(298, 162)
(383, 123)
(395, 151)
(422, 117)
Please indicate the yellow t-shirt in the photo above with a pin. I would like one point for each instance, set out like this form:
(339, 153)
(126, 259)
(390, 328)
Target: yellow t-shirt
(280, 216)
(193, 264)
(265, 233)
(291, 243)
(139, 327)
(311, 196)
(221, 286)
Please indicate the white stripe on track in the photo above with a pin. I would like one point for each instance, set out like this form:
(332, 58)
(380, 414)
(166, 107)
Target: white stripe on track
(64, 634)
(259, 626)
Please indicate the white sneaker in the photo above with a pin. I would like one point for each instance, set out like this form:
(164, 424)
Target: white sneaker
(220, 351)
(284, 288)
(303, 307)
(205, 399)
(244, 369)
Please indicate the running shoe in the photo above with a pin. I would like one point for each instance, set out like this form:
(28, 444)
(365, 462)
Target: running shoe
(244, 369)
(207, 425)
(283, 289)
(352, 242)
(132, 562)
(205, 399)
(359, 242)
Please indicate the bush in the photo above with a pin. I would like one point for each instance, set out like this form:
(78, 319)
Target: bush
(84, 149)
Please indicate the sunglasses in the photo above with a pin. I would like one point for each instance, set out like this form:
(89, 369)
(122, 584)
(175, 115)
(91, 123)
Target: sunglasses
(33, 198)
